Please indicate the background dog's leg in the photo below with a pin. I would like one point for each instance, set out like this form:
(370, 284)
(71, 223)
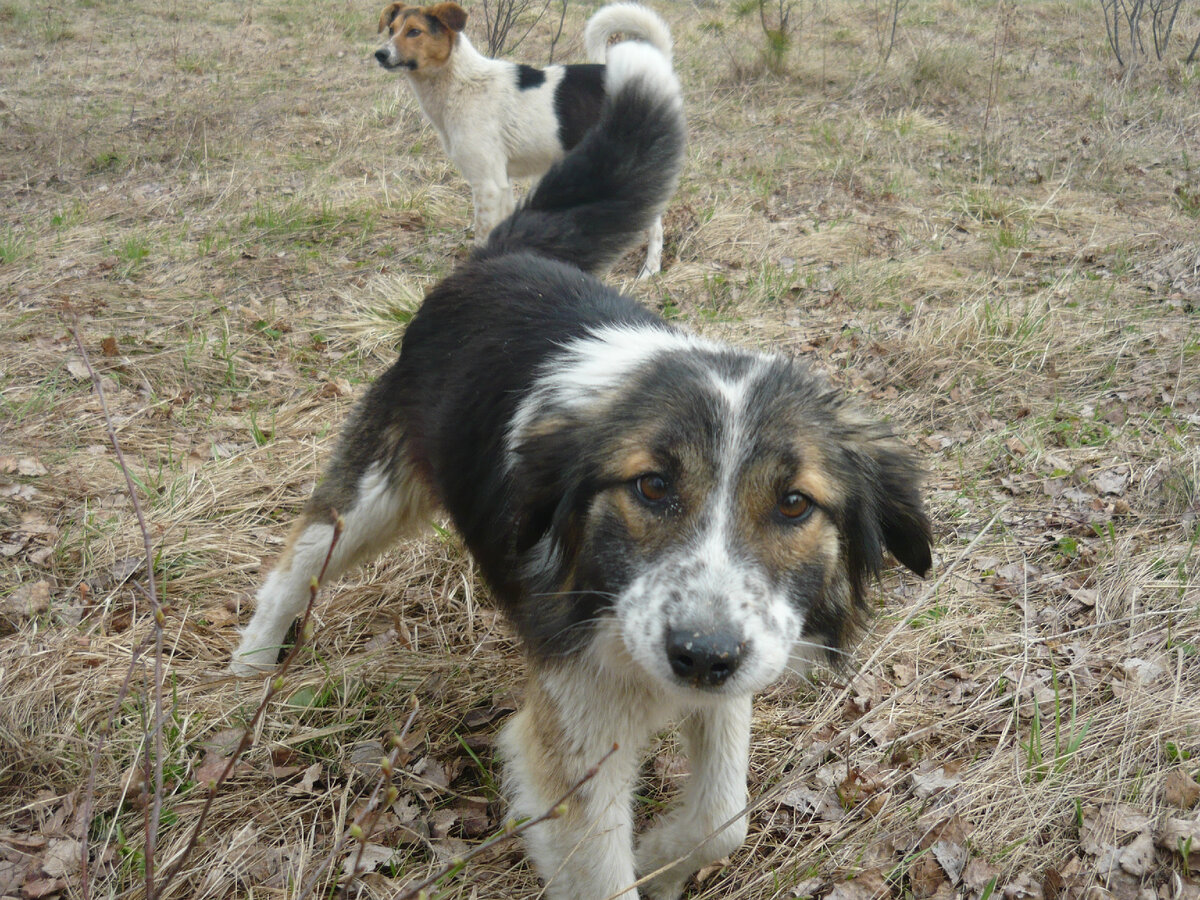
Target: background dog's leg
(492, 196)
(654, 248)
(717, 739)
(370, 484)
(586, 853)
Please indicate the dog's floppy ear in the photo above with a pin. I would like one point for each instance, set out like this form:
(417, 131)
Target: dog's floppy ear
(548, 487)
(389, 15)
(907, 532)
(453, 16)
(883, 506)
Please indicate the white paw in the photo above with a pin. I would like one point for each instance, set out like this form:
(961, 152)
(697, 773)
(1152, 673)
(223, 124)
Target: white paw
(250, 661)
(667, 886)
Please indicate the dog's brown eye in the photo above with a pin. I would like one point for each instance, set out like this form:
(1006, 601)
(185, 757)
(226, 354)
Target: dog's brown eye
(413, 32)
(794, 506)
(652, 487)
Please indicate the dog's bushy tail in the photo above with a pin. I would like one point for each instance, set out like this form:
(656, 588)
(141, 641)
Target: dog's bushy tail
(594, 203)
(630, 20)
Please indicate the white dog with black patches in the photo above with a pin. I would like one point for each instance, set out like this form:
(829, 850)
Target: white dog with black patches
(669, 523)
(500, 120)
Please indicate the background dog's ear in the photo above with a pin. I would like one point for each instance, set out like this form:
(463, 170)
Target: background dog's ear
(451, 15)
(389, 15)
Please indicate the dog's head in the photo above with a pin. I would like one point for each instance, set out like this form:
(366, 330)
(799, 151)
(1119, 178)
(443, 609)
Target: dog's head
(419, 38)
(728, 509)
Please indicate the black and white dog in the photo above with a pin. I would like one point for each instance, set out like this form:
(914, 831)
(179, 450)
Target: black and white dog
(500, 120)
(670, 523)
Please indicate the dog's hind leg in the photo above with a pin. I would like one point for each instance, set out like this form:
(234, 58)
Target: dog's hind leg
(371, 484)
(654, 248)
(707, 822)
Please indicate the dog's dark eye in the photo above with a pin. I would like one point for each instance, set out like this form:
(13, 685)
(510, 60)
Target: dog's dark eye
(652, 487)
(413, 32)
(795, 507)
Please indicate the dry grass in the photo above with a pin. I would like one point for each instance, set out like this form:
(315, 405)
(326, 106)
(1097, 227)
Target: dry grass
(241, 210)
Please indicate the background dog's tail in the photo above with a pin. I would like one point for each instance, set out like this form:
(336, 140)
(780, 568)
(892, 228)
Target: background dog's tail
(593, 204)
(630, 20)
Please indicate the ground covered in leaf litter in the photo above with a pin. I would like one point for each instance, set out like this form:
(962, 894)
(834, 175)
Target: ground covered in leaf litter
(992, 238)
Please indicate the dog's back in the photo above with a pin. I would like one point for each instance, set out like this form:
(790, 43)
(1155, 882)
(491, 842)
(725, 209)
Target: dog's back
(482, 332)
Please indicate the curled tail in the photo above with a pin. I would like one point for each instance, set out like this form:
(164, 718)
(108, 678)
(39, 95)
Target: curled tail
(594, 203)
(633, 21)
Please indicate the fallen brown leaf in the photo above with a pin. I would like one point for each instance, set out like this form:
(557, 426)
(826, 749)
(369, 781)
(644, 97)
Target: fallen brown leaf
(62, 858)
(1181, 789)
(1181, 836)
(42, 887)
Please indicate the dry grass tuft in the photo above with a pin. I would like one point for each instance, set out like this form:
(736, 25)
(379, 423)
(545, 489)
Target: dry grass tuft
(991, 237)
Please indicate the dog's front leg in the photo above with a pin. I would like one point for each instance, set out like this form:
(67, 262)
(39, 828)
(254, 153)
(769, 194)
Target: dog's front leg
(585, 852)
(694, 832)
(492, 196)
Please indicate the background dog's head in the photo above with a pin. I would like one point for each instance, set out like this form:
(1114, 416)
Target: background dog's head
(419, 38)
(726, 508)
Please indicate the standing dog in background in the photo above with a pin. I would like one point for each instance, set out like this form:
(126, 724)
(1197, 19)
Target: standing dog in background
(669, 523)
(499, 120)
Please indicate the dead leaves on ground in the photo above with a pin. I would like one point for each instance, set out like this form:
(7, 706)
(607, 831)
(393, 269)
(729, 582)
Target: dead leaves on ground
(924, 842)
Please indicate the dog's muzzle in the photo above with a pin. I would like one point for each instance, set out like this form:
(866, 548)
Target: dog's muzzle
(384, 57)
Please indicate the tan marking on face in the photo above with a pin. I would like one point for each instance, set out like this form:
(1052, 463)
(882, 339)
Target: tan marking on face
(781, 545)
(638, 461)
(417, 39)
(540, 428)
(814, 479)
(653, 529)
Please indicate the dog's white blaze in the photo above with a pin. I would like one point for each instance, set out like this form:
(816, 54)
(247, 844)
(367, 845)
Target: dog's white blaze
(712, 581)
(589, 369)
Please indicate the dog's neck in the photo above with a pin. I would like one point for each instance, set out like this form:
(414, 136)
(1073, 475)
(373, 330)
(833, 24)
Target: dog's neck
(436, 88)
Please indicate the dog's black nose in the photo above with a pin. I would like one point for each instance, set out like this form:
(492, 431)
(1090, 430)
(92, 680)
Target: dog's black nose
(382, 56)
(705, 658)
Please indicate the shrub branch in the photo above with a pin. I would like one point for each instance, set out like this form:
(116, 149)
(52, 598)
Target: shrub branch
(154, 772)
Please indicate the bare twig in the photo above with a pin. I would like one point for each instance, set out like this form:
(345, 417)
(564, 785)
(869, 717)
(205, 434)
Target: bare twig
(562, 17)
(370, 815)
(501, 17)
(89, 795)
(274, 686)
(511, 830)
(155, 809)
(999, 41)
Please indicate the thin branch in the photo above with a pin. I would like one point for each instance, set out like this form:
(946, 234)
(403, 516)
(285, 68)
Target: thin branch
(511, 830)
(155, 810)
(274, 686)
(372, 810)
(562, 17)
(84, 815)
